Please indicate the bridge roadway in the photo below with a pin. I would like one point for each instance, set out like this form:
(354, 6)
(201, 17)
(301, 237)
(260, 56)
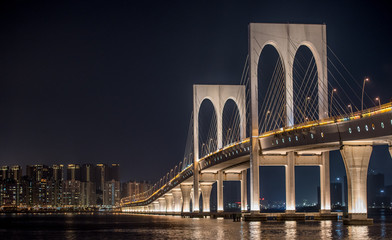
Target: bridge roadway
(301, 145)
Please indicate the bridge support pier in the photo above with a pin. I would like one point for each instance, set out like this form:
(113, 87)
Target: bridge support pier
(356, 160)
(325, 192)
(219, 191)
(169, 202)
(206, 192)
(186, 197)
(177, 200)
(162, 205)
(244, 194)
(290, 183)
(155, 206)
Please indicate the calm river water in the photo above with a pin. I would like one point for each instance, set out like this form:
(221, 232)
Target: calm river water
(123, 226)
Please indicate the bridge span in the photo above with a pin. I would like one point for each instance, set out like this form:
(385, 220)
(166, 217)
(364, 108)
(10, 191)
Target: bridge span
(305, 143)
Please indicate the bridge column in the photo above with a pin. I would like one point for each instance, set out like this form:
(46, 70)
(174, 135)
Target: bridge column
(244, 194)
(177, 200)
(169, 202)
(155, 206)
(219, 191)
(186, 197)
(206, 191)
(254, 125)
(356, 160)
(162, 204)
(325, 192)
(290, 183)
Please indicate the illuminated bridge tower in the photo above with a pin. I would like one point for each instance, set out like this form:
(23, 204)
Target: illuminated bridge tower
(286, 39)
(218, 95)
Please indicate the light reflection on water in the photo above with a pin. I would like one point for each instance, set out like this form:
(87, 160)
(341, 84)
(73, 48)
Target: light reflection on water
(123, 226)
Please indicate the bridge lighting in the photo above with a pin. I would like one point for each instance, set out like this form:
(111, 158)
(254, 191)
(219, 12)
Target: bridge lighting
(333, 91)
(363, 90)
(306, 106)
(379, 101)
(351, 108)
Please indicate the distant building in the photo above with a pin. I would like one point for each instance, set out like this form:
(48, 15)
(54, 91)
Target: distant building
(4, 170)
(73, 172)
(112, 194)
(336, 194)
(71, 193)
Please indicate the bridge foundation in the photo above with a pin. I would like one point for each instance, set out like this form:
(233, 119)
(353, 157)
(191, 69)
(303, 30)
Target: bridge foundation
(244, 194)
(169, 202)
(356, 160)
(186, 197)
(290, 183)
(206, 192)
(177, 200)
(219, 191)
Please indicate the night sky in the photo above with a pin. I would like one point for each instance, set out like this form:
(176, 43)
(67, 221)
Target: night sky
(111, 81)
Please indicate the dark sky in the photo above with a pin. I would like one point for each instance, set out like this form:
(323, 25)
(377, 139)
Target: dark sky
(111, 81)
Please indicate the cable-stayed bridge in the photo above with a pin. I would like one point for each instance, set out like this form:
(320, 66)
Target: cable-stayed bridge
(292, 116)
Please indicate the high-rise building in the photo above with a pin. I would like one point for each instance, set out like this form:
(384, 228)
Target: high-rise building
(15, 173)
(101, 176)
(58, 172)
(114, 172)
(88, 185)
(73, 172)
(71, 193)
(4, 171)
(88, 194)
(88, 173)
(112, 193)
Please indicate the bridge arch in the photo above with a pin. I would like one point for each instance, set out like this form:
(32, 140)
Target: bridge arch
(306, 84)
(218, 95)
(270, 72)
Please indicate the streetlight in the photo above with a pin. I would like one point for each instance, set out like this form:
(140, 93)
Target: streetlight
(265, 120)
(349, 106)
(209, 145)
(379, 101)
(363, 90)
(333, 90)
(306, 107)
(227, 136)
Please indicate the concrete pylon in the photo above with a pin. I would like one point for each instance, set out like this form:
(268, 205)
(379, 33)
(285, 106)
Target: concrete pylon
(186, 197)
(218, 95)
(219, 191)
(177, 200)
(356, 160)
(206, 193)
(244, 194)
(290, 183)
(325, 188)
(162, 205)
(169, 202)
